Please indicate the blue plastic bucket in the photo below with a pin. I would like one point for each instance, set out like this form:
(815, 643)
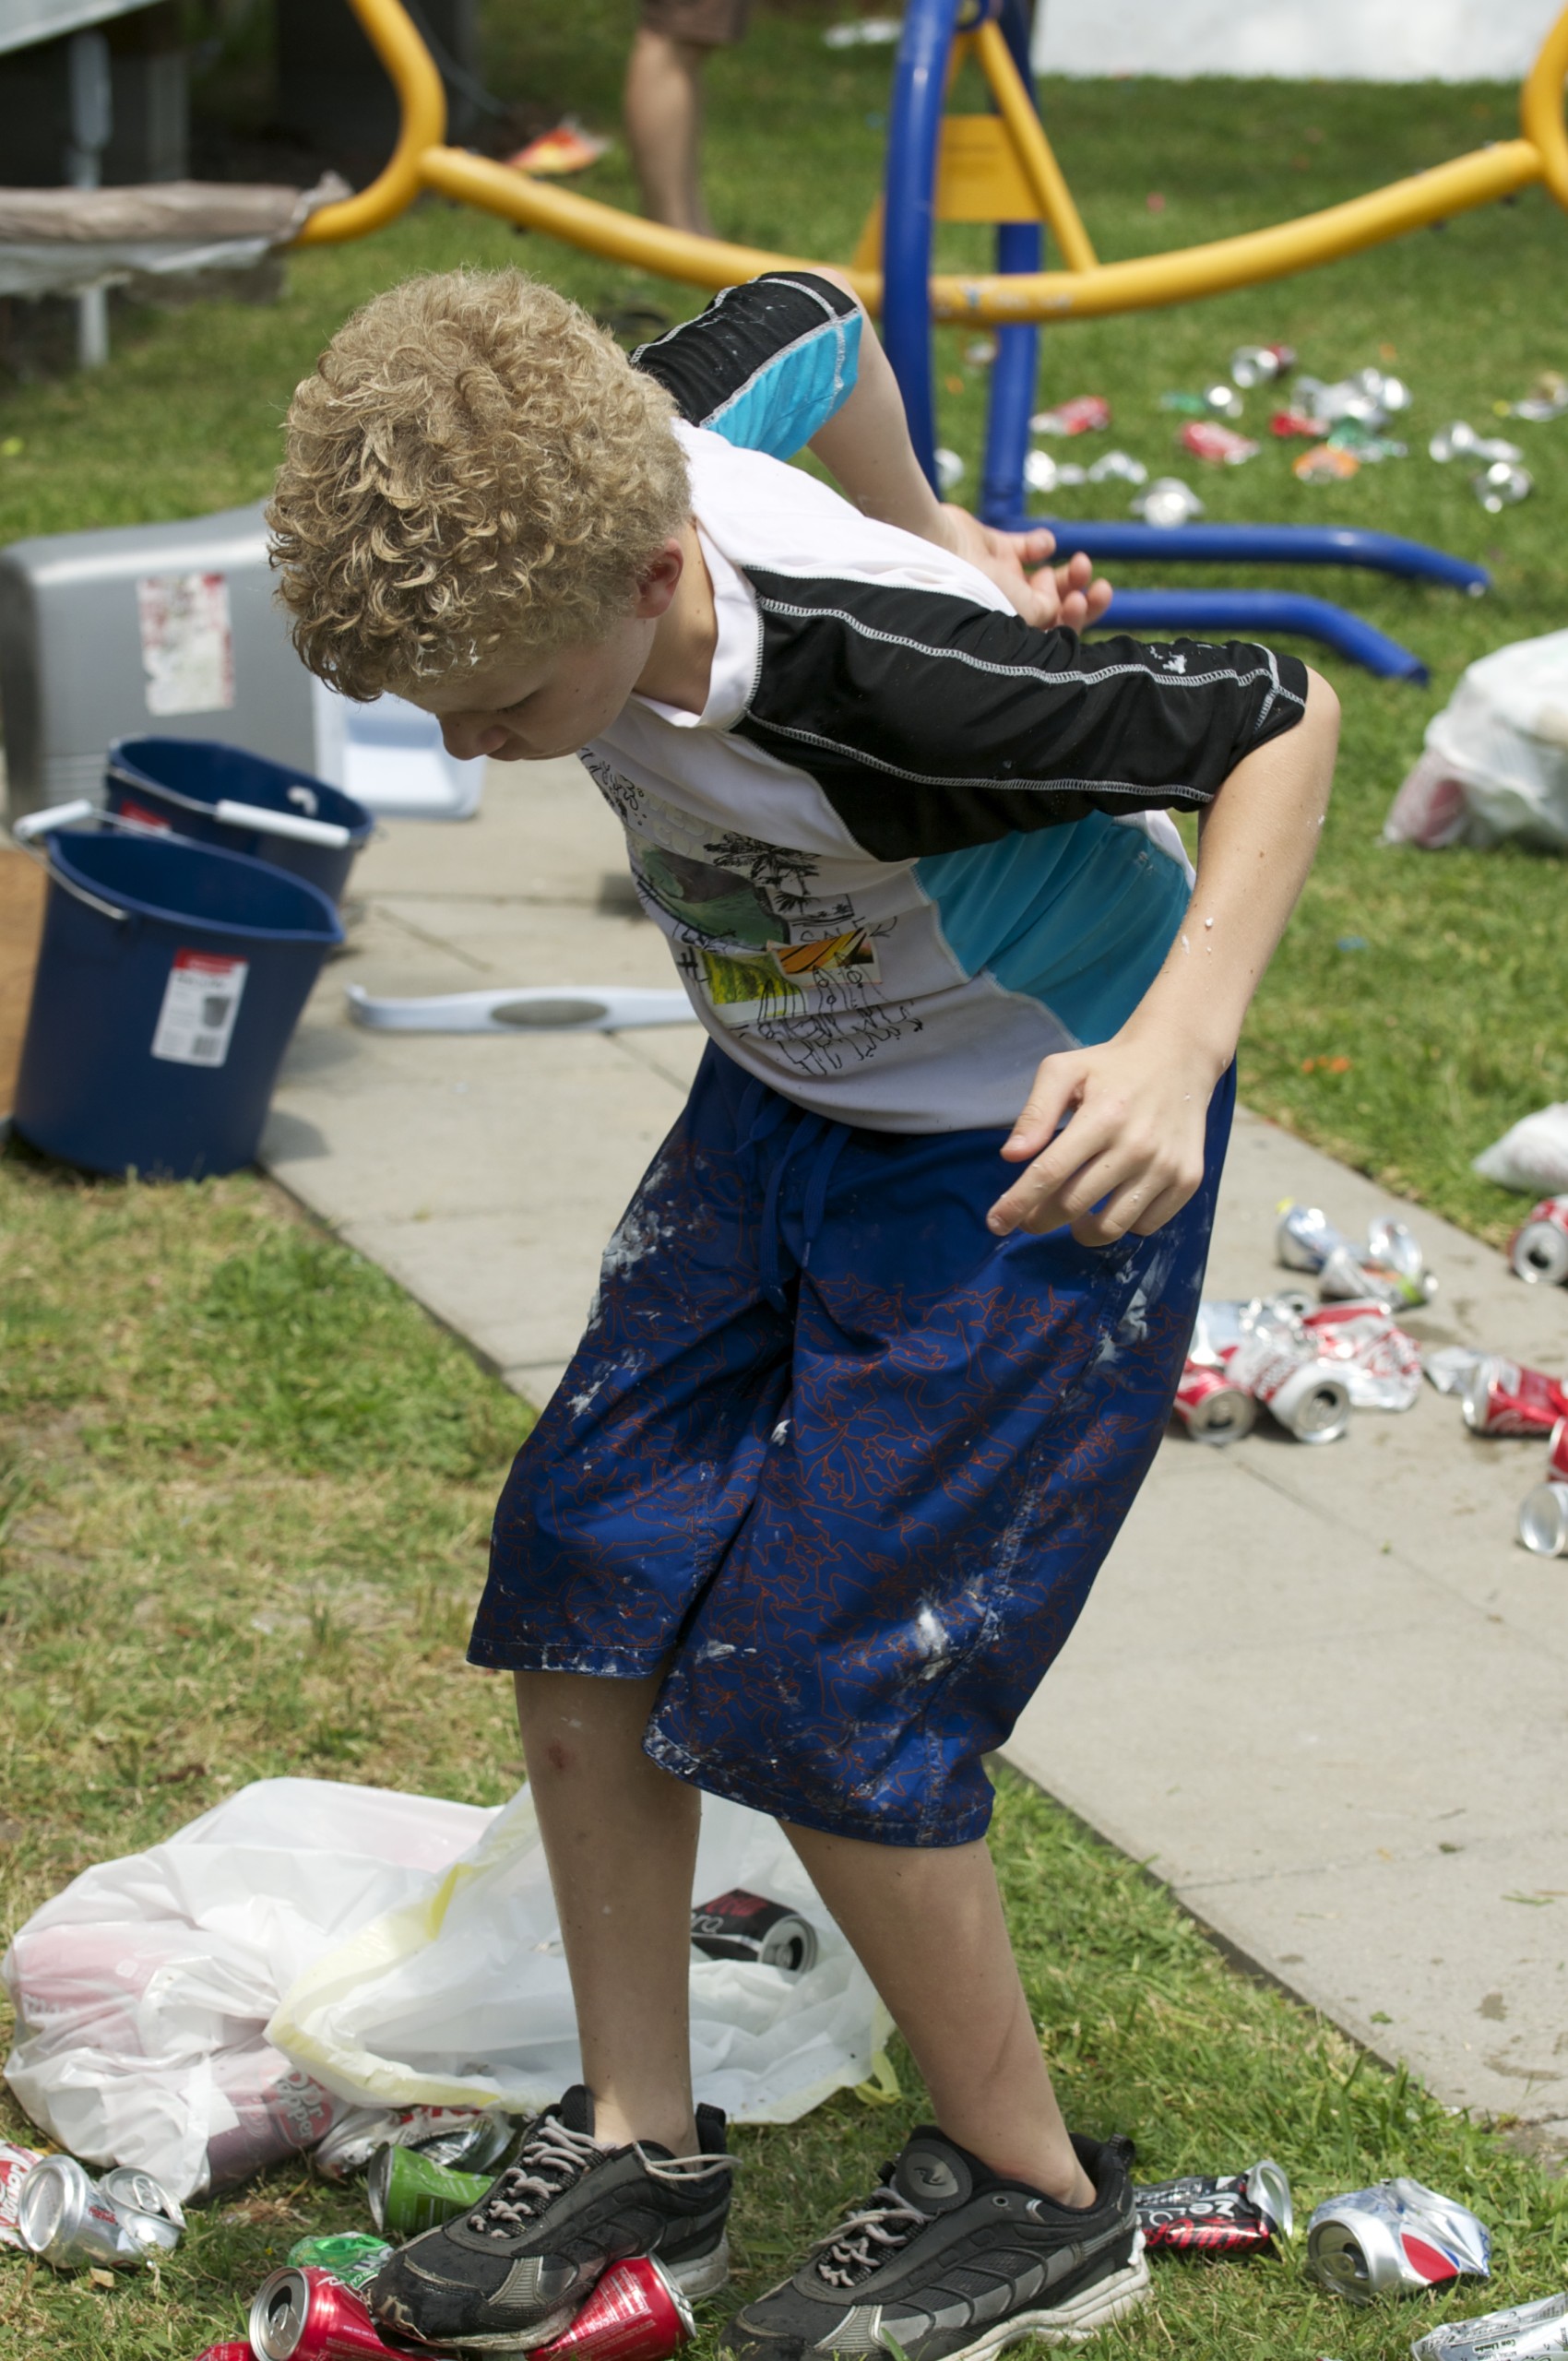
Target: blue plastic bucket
(170, 979)
(176, 782)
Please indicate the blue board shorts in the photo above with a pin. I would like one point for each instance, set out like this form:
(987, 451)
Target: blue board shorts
(836, 1460)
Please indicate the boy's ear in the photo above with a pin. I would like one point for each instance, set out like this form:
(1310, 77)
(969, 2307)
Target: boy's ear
(658, 583)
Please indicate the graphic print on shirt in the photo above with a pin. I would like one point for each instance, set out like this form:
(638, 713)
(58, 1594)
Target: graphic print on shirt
(751, 939)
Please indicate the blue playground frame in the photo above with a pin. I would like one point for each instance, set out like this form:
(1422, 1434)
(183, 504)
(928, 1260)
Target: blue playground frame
(914, 134)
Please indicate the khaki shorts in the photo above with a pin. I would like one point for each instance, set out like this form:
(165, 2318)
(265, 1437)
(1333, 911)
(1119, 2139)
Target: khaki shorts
(708, 24)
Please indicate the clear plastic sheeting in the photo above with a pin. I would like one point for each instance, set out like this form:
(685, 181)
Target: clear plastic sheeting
(1496, 758)
(206, 2008)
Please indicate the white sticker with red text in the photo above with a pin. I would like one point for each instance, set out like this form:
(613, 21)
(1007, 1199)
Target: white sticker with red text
(188, 642)
(201, 1000)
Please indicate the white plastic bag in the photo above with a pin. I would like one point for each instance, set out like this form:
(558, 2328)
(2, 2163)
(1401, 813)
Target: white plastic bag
(1496, 758)
(1532, 1157)
(142, 1991)
(403, 1948)
(461, 1998)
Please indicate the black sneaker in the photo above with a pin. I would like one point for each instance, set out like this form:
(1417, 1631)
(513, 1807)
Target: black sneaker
(516, 2269)
(948, 2262)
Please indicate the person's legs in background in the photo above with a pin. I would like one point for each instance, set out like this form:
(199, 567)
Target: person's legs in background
(663, 103)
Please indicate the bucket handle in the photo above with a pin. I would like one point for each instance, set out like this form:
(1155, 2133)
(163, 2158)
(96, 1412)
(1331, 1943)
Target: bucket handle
(255, 816)
(65, 815)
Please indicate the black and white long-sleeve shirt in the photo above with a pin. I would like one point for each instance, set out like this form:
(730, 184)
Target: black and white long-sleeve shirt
(911, 845)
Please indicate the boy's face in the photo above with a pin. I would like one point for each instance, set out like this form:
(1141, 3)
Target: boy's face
(528, 708)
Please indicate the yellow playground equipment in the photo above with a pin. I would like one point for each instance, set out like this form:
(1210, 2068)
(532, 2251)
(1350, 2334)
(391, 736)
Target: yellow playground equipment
(1085, 288)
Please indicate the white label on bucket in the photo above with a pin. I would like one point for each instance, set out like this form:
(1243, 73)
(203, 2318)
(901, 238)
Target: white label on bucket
(188, 644)
(201, 1000)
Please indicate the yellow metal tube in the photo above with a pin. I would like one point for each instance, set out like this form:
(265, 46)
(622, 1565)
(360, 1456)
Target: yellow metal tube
(605, 229)
(422, 103)
(1541, 109)
(1033, 147)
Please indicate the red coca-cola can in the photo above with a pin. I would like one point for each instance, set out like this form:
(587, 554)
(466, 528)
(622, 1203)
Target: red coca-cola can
(635, 2313)
(306, 2315)
(1502, 1398)
(1557, 1456)
(1211, 1406)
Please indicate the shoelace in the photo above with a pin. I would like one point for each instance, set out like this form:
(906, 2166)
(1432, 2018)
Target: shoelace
(864, 2243)
(552, 2158)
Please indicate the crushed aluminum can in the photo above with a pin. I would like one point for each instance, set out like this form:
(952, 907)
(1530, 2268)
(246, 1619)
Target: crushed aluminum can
(352, 2257)
(1211, 1406)
(739, 1925)
(635, 2313)
(470, 2137)
(1392, 1248)
(1380, 1365)
(1460, 441)
(1260, 364)
(1543, 1519)
(1204, 2213)
(14, 2165)
(306, 2315)
(408, 2194)
(1390, 1269)
(1370, 397)
(1281, 1368)
(1557, 1455)
(1044, 473)
(1449, 1368)
(148, 2212)
(1084, 414)
(1501, 486)
(1547, 399)
(64, 2217)
(1117, 466)
(1537, 2331)
(1168, 503)
(1296, 425)
(1223, 402)
(1503, 1398)
(1304, 1238)
(1538, 1248)
(1369, 448)
(1325, 463)
(1206, 439)
(1397, 2238)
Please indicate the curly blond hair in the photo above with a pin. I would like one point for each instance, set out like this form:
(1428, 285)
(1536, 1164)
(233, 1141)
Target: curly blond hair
(474, 464)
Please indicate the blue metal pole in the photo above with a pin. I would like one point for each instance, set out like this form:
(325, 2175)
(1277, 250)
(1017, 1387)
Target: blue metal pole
(914, 131)
(1259, 545)
(1015, 369)
(1261, 612)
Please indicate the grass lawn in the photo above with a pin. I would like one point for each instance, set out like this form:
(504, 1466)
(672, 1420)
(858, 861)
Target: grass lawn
(243, 1488)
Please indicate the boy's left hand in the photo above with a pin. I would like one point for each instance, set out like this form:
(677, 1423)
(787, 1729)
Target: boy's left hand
(1131, 1152)
(1066, 596)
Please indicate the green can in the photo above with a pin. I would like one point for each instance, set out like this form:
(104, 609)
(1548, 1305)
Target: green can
(408, 2193)
(352, 2256)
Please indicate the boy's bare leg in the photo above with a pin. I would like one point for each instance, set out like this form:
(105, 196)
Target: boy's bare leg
(926, 1924)
(621, 1839)
(663, 111)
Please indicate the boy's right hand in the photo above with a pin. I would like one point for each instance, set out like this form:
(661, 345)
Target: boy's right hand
(1067, 598)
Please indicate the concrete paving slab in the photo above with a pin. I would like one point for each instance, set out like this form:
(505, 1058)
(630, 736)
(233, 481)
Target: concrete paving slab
(1320, 1689)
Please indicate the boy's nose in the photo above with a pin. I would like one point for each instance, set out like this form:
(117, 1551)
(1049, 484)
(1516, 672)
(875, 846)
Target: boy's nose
(466, 739)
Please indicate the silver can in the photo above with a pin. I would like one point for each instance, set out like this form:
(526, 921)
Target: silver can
(1397, 2238)
(469, 2138)
(1536, 2331)
(66, 2218)
(1304, 1238)
(1543, 1521)
(1538, 1248)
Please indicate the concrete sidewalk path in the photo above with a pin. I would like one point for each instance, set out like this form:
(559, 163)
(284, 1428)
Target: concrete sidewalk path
(1322, 1690)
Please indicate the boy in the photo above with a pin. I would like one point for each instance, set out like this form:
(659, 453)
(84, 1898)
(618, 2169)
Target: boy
(853, 1422)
